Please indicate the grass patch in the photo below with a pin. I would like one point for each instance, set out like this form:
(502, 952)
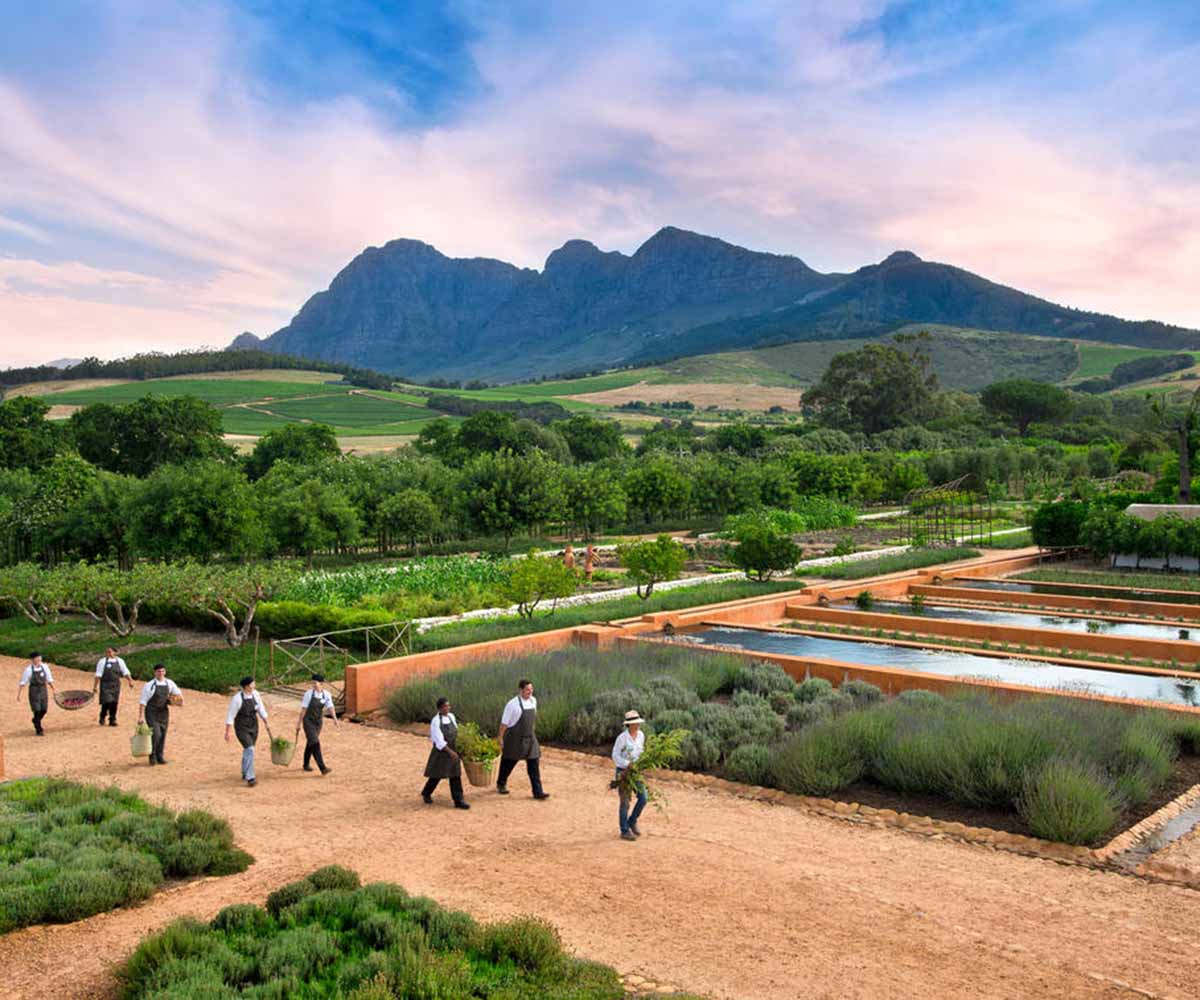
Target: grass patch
(219, 392)
(1096, 360)
(68, 851)
(462, 633)
(1017, 540)
(1186, 582)
(325, 936)
(914, 559)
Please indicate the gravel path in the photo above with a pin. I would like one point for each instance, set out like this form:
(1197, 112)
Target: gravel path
(725, 897)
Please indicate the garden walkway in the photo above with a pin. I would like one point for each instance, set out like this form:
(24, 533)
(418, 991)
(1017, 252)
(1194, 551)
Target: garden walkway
(726, 897)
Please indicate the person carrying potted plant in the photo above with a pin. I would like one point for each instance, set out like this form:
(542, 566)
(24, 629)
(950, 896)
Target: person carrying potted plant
(628, 747)
(443, 760)
(518, 740)
(155, 703)
(110, 668)
(37, 678)
(313, 706)
(245, 709)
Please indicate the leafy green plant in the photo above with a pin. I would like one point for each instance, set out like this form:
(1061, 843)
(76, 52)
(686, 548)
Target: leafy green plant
(535, 579)
(281, 744)
(865, 601)
(662, 750)
(649, 563)
(474, 746)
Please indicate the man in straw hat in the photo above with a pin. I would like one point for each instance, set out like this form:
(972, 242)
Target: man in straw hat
(313, 706)
(443, 760)
(628, 748)
(245, 709)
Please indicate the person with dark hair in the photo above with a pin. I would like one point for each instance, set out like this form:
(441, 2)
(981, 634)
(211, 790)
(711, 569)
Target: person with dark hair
(37, 678)
(443, 760)
(155, 703)
(316, 703)
(110, 668)
(245, 709)
(518, 740)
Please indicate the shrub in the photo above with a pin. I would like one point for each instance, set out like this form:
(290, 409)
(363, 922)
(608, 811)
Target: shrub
(700, 752)
(813, 689)
(1066, 801)
(781, 701)
(763, 678)
(920, 698)
(805, 713)
(297, 952)
(863, 693)
(750, 762)
(670, 720)
(816, 761)
(527, 942)
(244, 918)
(334, 877)
(288, 895)
(1059, 524)
(865, 601)
(653, 562)
(762, 553)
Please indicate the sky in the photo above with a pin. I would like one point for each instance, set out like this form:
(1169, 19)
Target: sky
(173, 172)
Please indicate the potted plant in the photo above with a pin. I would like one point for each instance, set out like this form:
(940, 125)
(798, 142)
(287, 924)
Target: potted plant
(478, 754)
(141, 743)
(282, 751)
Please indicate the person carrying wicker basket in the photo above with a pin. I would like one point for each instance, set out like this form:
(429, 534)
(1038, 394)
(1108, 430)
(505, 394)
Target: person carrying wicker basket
(443, 760)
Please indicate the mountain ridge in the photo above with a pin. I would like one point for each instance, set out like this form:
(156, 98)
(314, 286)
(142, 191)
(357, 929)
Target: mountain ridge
(407, 308)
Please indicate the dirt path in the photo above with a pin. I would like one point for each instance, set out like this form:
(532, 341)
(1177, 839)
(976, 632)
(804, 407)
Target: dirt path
(726, 897)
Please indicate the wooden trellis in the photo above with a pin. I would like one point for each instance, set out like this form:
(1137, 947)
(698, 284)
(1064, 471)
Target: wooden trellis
(294, 661)
(948, 514)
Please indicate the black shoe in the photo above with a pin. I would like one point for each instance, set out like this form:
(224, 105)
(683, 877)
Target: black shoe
(326, 770)
(252, 782)
(112, 722)
(541, 795)
(461, 805)
(634, 830)
(307, 768)
(501, 790)
(161, 761)
(153, 762)
(39, 732)
(427, 799)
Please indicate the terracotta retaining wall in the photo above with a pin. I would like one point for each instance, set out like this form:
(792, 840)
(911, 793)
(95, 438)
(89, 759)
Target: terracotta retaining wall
(1041, 638)
(1100, 588)
(1097, 605)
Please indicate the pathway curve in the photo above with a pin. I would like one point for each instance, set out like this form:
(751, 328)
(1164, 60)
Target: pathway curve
(726, 897)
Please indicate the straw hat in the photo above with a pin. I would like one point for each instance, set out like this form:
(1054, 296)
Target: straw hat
(632, 717)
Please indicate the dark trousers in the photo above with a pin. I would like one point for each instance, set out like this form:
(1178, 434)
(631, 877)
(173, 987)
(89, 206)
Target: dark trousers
(312, 751)
(158, 739)
(455, 787)
(532, 765)
(38, 715)
(108, 709)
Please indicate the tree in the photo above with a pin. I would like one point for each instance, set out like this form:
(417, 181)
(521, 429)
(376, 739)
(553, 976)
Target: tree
(535, 579)
(27, 439)
(410, 514)
(657, 487)
(1183, 424)
(439, 439)
(1024, 402)
(230, 593)
(37, 593)
(195, 511)
(648, 563)
(309, 516)
(115, 597)
(136, 438)
(1058, 525)
(590, 438)
(506, 493)
(59, 487)
(762, 552)
(874, 388)
(593, 499)
(96, 525)
(302, 444)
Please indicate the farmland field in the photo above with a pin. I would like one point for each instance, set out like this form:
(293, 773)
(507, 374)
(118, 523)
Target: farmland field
(1096, 360)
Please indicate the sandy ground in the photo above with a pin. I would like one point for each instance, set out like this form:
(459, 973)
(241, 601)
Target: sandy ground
(724, 897)
(702, 394)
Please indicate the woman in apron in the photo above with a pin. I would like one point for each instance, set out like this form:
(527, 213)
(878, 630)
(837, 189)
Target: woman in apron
(245, 709)
(155, 704)
(518, 740)
(37, 678)
(109, 671)
(313, 706)
(443, 757)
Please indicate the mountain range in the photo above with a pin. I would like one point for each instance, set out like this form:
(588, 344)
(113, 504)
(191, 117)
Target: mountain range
(408, 309)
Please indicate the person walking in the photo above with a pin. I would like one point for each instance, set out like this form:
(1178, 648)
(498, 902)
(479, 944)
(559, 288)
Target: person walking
(37, 678)
(155, 705)
(110, 668)
(313, 706)
(443, 760)
(518, 740)
(245, 709)
(627, 749)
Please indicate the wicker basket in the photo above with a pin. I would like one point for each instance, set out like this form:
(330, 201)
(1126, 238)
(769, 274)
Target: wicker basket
(283, 756)
(72, 701)
(480, 774)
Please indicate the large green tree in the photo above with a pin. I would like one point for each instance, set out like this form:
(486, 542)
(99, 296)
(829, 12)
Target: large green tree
(27, 439)
(590, 438)
(1022, 402)
(505, 493)
(136, 438)
(877, 387)
(302, 444)
(306, 517)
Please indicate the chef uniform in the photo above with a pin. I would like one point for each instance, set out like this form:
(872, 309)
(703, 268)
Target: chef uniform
(313, 707)
(155, 699)
(443, 733)
(520, 743)
(245, 709)
(110, 670)
(37, 678)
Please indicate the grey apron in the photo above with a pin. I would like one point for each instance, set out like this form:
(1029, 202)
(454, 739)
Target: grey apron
(314, 718)
(441, 764)
(158, 708)
(37, 690)
(245, 723)
(110, 683)
(520, 741)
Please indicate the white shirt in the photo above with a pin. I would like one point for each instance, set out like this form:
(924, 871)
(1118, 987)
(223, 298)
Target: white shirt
(25, 677)
(325, 698)
(626, 749)
(148, 690)
(513, 710)
(122, 670)
(435, 729)
(235, 705)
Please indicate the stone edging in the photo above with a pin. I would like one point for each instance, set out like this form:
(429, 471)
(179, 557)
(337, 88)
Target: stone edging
(1140, 831)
